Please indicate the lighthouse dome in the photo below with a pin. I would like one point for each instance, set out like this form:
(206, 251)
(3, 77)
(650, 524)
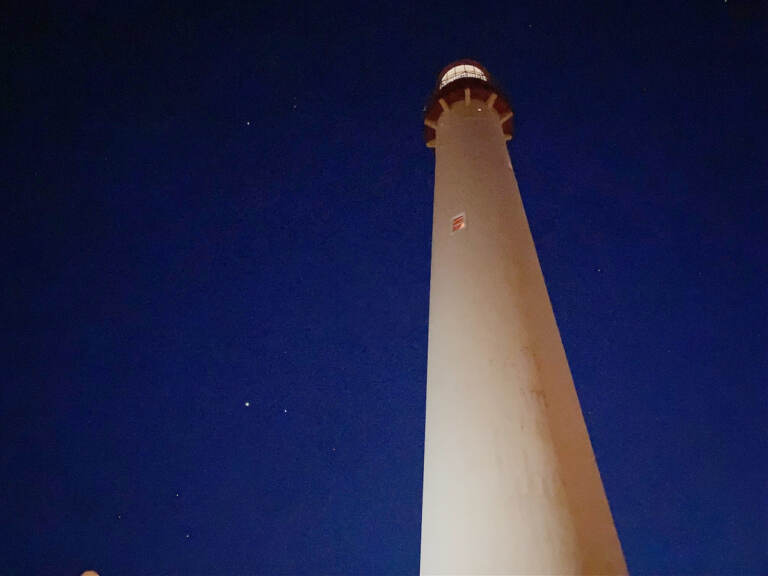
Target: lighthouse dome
(463, 70)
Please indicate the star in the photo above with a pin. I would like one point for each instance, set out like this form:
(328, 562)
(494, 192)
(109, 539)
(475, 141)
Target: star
(247, 404)
(285, 411)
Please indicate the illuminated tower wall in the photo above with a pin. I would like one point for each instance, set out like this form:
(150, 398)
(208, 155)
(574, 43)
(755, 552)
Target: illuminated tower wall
(511, 485)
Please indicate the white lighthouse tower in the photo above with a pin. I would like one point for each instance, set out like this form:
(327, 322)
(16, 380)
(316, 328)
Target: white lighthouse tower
(511, 485)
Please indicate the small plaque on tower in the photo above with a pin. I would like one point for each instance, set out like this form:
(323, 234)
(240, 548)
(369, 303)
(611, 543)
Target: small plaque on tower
(458, 222)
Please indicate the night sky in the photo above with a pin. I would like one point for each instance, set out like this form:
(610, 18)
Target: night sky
(215, 255)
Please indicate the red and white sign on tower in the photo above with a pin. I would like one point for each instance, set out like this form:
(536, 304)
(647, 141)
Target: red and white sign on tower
(459, 222)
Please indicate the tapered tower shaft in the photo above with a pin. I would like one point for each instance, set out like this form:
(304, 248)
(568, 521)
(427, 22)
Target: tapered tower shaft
(511, 485)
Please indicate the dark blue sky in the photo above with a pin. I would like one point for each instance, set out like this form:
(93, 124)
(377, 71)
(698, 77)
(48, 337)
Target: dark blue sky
(204, 208)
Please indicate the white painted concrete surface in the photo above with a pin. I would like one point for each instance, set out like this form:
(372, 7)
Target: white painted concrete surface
(510, 481)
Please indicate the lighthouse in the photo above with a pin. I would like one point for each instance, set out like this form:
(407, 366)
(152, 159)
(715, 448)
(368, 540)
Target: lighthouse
(511, 485)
